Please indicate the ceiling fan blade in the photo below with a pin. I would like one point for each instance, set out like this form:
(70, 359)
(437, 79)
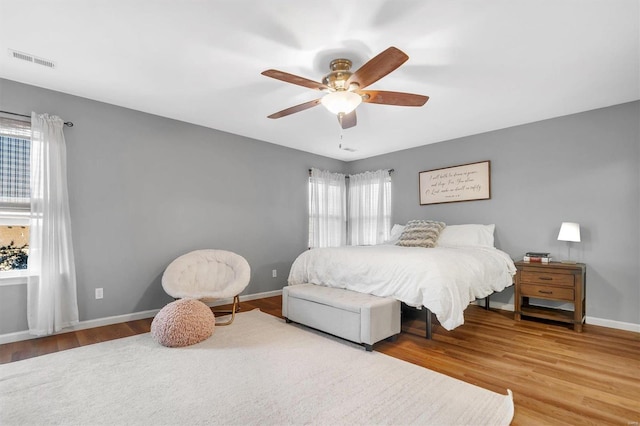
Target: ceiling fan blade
(294, 79)
(348, 120)
(294, 109)
(392, 98)
(378, 67)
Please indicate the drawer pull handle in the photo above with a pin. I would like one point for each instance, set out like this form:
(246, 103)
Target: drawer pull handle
(545, 292)
(546, 278)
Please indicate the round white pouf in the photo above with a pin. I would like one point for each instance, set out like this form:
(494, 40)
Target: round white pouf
(182, 323)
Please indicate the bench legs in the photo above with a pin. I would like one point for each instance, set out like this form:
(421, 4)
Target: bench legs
(367, 347)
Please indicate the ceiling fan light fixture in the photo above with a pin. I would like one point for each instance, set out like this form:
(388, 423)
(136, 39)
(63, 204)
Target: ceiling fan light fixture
(341, 102)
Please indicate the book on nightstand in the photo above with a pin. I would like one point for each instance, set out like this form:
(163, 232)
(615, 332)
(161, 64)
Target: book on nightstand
(537, 254)
(534, 257)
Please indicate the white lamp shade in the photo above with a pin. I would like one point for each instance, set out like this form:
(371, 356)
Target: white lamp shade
(341, 101)
(569, 231)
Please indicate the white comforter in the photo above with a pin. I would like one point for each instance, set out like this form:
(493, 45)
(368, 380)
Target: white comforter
(445, 280)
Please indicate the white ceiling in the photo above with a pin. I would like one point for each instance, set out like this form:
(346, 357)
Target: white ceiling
(486, 64)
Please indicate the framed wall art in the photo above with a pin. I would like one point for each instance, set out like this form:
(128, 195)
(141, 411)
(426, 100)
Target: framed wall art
(458, 183)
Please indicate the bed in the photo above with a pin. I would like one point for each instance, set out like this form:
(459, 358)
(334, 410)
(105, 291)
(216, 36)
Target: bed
(444, 278)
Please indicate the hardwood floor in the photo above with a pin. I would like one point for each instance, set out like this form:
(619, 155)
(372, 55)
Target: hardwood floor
(557, 376)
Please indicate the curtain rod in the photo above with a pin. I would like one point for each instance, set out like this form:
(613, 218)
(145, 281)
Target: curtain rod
(390, 171)
(66, 123)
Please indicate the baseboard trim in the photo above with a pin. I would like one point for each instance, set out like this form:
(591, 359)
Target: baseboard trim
(247, 297)
(618, 325)
(99, 322)
(497, 305)
(627, 326)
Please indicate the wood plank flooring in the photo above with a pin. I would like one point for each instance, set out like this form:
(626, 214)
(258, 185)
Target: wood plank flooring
(557, 376)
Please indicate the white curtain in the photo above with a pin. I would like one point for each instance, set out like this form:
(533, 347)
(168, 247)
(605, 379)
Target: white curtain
(327, 209)
(51, 293)
(369, 207)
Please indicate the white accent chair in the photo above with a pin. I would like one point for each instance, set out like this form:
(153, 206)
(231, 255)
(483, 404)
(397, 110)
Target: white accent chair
(208, 275)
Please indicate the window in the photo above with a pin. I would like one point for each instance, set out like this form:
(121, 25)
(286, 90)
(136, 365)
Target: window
(367, 196)
(327, 209)
(369, 207)
(15, 201)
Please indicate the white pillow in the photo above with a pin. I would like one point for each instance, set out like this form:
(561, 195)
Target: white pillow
(396, 231)
(467, 235)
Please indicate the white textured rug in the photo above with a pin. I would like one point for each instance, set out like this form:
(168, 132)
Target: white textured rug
(258, 370)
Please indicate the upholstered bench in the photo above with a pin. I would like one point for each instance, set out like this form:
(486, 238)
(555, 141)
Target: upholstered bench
(358, 317)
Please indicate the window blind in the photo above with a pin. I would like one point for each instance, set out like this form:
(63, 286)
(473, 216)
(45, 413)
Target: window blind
(15, 151)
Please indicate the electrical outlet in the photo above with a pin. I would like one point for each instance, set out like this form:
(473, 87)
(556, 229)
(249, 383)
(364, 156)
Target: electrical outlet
(274, 273)
(99, 293)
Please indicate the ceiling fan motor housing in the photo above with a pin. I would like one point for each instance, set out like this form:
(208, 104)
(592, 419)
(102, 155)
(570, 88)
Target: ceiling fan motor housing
(337, 78)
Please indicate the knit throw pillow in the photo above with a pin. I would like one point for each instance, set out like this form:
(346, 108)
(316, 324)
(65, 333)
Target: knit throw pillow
(183, 323)
(421, 233)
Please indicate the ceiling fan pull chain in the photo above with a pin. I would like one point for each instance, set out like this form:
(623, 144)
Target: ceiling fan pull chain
(340, 115)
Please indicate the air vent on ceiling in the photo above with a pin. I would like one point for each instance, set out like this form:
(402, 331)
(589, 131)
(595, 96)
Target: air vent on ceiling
(346, 148)
(31, 58)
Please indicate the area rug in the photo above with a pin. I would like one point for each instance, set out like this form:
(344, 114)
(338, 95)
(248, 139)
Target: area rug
(259, 370)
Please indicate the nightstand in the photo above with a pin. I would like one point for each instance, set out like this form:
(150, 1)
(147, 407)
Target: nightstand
(551, 281)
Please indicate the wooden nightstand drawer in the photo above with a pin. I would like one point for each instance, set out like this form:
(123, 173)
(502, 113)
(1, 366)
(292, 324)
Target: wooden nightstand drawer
(547, 278)
(547, 292)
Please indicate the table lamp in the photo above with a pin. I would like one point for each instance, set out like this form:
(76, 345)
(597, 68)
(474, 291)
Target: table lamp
(569, 232)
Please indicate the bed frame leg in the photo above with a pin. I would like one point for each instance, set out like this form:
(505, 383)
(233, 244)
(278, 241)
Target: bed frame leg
(428, 312)
(486, 302)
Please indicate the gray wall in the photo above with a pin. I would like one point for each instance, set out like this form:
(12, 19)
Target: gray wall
(580, 168)
(145, 189)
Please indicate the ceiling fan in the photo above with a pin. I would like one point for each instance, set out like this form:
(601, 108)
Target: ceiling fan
(345, 88)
